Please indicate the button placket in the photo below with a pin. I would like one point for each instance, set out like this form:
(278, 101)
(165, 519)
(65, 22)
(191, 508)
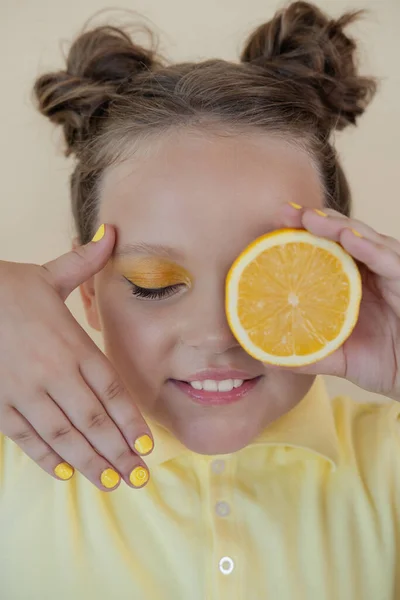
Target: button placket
(218, 466)
(226, 565)
(222, 509)
(225, 555)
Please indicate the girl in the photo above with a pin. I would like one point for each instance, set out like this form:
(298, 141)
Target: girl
(260, 487)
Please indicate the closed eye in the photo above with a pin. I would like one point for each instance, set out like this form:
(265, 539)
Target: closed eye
(154, 293)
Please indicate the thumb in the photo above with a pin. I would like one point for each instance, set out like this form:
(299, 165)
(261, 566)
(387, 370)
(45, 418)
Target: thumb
(333, 364)
(72, 269)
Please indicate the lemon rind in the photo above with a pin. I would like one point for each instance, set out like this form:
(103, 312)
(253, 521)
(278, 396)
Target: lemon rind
(278, 238)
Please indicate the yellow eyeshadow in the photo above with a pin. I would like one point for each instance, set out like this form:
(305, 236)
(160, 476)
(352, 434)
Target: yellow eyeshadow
(152, 272)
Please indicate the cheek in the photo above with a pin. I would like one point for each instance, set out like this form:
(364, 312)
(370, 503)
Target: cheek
(137, 337)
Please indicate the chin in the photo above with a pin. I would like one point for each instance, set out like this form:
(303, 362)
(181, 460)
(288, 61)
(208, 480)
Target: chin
(228, 428)
(215, 435)
(214, 447)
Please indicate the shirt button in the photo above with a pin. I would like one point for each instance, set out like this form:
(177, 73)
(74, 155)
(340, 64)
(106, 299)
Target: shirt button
(218, 466)
(222, 509)
(226, 565)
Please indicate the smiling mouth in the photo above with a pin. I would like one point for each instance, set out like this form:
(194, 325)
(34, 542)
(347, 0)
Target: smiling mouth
(212, 392)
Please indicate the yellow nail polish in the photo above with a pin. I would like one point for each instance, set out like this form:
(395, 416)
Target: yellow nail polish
(356, 233)
(109, 478)
(99, 234)
(144, 444)
(321, 213)
(139, 476)
(295, 205)
(64, 471)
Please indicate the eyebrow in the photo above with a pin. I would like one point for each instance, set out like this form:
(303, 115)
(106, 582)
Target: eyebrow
(127, 250)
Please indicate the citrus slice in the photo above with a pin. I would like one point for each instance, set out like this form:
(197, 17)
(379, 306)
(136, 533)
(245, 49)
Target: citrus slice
(292, 298)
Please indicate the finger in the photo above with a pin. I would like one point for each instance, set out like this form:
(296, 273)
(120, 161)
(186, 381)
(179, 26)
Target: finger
(75, 267)
(314, 220)
(379, 258)
(363, 243)
(20, 431)
(108, 387)
(288, 215)
(330, 224)
(58, 432)
(333, 365)
(91, 418)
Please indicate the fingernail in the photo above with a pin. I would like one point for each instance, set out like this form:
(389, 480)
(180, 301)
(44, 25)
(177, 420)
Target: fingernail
(109, 478)
(321, 213)
(99, 233)
(356, 233)
(297, 206)
(139, 476)
(64, 471)
(144, 444)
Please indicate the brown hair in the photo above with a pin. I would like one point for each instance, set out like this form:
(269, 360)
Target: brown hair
(297, 78)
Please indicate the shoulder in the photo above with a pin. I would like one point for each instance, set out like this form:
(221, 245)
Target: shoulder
(368, 432)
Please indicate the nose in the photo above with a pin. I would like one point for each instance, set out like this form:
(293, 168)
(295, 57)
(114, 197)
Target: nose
(206, 326)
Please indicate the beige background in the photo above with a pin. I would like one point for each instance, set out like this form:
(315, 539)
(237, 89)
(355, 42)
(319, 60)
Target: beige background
(36, 224)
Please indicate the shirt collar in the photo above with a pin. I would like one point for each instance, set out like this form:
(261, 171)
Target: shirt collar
(309, 425)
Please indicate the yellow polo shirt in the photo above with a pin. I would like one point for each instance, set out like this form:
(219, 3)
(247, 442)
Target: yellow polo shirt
(309, 510)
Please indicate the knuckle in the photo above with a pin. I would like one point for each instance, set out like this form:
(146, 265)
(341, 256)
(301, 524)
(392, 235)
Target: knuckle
(392, 242)
(114, 389)
(133, 421)
(78, 255)
(44, 369)
(388, 253)
(44, 456)
(22, 436)
(96, 420)
(60, 432)
(91, 463)
(123, 455)
(386, 238)
(48, 365)
(47, 276)
(387, 256)
(396, 260)
(45, 272)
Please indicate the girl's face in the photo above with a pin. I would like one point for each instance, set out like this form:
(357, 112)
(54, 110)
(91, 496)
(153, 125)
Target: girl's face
(183, 211)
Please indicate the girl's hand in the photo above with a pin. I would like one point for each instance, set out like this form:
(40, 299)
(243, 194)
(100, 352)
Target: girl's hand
(370, 357)
(61, 400)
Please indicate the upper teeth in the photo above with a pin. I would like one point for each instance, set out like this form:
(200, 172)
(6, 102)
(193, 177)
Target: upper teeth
(209, 385)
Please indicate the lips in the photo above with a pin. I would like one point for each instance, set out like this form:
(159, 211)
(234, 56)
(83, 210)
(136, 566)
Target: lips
(219, 374)
(211, 393)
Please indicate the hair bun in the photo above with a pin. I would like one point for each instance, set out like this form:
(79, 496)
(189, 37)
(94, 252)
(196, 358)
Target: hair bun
(97, 65)
(301, 42)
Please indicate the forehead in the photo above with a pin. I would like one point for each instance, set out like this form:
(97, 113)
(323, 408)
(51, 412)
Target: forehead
(193, 189)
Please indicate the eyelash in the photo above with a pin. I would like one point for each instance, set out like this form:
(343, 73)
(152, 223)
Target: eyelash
(154, 293)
